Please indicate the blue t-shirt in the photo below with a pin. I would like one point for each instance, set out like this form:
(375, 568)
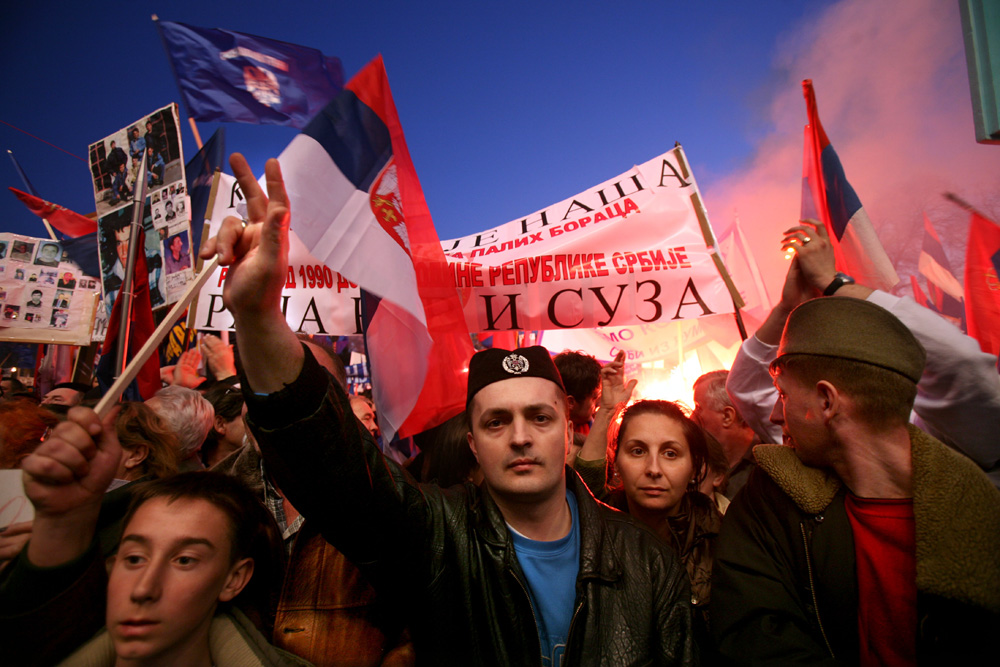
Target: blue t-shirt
(551, 569)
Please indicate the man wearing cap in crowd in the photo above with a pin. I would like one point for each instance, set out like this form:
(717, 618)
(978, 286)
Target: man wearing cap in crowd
(852, 542)
(65, 393)
(527, 568)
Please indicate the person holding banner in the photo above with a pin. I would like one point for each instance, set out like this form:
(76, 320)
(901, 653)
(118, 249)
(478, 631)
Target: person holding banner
(460, 559)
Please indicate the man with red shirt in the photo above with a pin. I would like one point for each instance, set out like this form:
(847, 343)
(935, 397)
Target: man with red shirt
(863, 539)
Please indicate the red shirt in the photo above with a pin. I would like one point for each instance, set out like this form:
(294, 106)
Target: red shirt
(885, 550)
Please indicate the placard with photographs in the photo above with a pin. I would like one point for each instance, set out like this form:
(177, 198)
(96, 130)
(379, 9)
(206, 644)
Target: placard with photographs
(40, 287)
(113, 242)
(114, 166)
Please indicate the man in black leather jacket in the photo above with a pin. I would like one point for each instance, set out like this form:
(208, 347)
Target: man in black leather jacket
(449, 555)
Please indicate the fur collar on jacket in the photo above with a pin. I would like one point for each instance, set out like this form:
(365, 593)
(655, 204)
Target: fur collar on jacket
(956, 511)
(232, 641)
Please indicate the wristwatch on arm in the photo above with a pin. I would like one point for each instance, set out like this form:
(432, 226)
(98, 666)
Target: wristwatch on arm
(839, 280)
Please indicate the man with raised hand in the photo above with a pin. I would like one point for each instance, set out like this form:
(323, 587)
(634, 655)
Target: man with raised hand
(527, 569)
(862, 539)
(190, 545)
(958, 395)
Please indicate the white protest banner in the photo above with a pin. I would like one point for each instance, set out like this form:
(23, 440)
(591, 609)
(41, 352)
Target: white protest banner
(315, 300)
(44, 296)
(628, 251)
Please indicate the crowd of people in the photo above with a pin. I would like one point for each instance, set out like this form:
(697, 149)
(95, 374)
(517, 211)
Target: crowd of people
(832, 498)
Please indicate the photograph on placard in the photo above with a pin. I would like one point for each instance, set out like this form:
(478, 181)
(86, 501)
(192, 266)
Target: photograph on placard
(48, 277)
(113, 240)
(21, 250)
(115, 160)
(49, 254)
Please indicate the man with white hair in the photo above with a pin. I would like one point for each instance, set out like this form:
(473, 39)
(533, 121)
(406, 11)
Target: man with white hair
(190, 417)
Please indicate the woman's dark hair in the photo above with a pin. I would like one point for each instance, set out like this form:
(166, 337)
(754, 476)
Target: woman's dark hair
(697, 447)
(448, 458)
(228, 403)
(252, 530)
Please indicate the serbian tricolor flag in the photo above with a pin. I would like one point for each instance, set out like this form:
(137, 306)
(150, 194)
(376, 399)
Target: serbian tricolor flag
(828, 197)
(982, 285)
(919, 296)
(934, 264)
(359, 208)
(944, 288)
(141, 327)
(66, 221)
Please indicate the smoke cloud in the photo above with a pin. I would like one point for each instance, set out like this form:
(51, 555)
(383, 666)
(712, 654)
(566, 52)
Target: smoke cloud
(892, 90)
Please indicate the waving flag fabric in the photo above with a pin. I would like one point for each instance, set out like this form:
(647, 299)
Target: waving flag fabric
(982, 283)
(918, 294)
(357, 204)
(744, 270)
(141, 327)
(199, 172)
(828, 197)
(934, 264)
(61, 218)
(232, 76)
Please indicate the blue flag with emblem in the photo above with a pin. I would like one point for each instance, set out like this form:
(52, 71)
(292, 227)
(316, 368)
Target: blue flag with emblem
(234, 77)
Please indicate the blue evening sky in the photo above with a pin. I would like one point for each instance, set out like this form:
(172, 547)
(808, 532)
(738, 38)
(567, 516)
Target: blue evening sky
(507, 107)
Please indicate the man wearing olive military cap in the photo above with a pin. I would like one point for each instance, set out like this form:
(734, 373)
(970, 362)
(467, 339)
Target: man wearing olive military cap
(862, 539)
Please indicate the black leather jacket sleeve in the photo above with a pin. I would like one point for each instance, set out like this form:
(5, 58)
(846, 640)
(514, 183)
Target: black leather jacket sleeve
(332, 472)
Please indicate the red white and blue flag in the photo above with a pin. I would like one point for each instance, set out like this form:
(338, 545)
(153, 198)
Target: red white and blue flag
(231, 76)
(828, 197)
(358, 206)
(934, 266)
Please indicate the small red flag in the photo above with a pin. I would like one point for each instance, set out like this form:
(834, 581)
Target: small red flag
(141, 326)
(982, 286)
(66, 221)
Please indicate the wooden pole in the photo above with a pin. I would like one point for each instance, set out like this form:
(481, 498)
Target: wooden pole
(194, 130)
(125, 292)
(958, 201)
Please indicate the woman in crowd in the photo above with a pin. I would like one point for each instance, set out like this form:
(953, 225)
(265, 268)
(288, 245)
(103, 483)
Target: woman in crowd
(658, 459)
(23, 424)
(149, 448)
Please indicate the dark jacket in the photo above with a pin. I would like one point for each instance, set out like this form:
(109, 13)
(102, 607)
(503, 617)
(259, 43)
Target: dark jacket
(57, 610)
(448, 553)
(327, 612)
(784, 588)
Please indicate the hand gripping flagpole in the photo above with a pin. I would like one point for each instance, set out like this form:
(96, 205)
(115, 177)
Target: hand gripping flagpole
(138, 203)
(150, 346)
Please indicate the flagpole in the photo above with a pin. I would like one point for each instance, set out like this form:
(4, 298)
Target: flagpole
(149, 347)
(194, 130)
(709, 236)
(138, 201)
(958, 201)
